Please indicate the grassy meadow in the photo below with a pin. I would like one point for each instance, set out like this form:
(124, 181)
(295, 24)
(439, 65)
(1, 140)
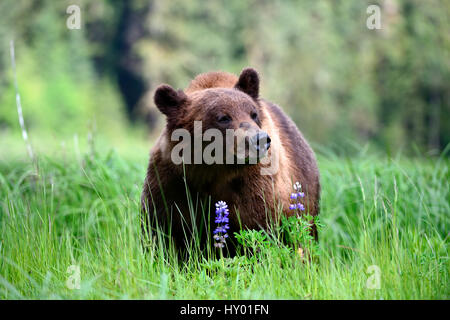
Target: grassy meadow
(373, 103)
(83, 210)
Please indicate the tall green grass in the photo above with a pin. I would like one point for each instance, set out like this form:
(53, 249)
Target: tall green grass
(389, 213)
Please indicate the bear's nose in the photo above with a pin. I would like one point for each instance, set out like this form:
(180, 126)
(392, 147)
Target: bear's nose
(261, 141)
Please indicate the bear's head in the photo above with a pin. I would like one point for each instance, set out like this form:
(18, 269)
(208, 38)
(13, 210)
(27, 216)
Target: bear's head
(217, 124)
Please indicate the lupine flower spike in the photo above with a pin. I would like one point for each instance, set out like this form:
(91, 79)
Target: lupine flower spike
(297, 195)
(220, 233)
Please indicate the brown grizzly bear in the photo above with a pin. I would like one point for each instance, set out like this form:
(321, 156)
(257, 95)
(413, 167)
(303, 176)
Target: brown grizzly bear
(175, 193)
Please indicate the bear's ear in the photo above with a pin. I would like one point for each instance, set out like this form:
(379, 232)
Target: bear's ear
(168, 100)
(249, 82)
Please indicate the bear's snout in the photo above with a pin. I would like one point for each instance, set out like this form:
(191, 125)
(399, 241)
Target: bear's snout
(261, 141)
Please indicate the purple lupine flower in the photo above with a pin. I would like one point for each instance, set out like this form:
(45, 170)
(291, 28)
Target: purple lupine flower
(221, 229)
(220, 233)
(297, 196)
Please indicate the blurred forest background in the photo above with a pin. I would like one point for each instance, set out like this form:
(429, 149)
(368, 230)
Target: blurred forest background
(344, 85)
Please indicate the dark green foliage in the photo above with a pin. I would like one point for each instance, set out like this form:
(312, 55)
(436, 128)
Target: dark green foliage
(343, 84)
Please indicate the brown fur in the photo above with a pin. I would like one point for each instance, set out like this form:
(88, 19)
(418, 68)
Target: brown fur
(254, 196)
(215, 79)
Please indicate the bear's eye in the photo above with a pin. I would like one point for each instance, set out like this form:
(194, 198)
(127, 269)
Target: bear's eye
(254, 115)
(224, 119)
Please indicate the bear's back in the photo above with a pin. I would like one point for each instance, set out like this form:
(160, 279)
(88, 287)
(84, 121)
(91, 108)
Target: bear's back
(214, 79)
